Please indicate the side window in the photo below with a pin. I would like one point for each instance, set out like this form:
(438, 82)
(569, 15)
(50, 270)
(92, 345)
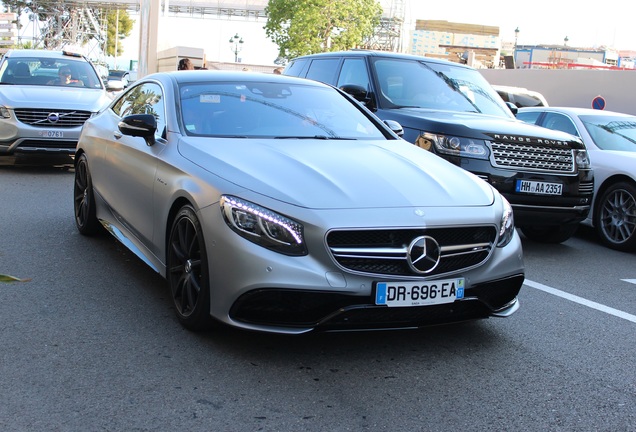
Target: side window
(295, 68)
(354, 71)
(529, 117)
(324, 70)
(560, 122)
(146, 98)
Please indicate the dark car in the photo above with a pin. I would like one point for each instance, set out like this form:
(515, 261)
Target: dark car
(452, 111)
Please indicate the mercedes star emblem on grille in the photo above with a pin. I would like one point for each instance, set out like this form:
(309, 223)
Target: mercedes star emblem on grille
(423, 254)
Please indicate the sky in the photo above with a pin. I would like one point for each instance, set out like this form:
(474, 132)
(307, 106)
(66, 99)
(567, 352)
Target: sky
(586, 24)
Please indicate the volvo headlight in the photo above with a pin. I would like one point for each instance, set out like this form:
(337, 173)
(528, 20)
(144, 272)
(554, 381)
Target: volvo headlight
(263, 227)
(582, 159)
(455, 146)
(507, 224)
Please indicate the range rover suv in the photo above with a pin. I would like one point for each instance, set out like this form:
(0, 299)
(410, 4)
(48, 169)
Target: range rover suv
(452, 111)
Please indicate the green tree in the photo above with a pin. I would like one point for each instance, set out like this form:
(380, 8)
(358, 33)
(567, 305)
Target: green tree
(119, 27)
(302, 27)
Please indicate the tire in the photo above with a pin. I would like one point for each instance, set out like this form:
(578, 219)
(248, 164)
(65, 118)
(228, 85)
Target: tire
(187, 271)
(549, 234)
(615, 216)
(84, 199)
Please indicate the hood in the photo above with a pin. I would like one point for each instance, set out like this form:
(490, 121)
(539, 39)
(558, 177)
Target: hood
(50, 97)
(474, 125)
(329, 174)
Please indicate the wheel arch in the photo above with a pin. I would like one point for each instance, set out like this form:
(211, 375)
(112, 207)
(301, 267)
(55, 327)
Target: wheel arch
(174, 209)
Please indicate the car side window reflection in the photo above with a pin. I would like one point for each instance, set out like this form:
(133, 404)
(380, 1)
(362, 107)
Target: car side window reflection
(146, 98)
(354, 72)
(560, 122)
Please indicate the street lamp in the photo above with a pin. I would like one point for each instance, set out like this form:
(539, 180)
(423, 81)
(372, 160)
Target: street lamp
(516, 37)
(236, 45)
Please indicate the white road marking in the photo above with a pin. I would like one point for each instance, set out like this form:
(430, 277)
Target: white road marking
(581, 300)
(629, 280)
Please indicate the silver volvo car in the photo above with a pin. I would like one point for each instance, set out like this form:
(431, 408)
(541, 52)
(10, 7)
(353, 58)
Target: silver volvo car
(45, 98)
(280, 204)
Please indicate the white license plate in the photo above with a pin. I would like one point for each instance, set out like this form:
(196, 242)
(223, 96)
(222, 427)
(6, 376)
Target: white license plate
(404, 293)
(540, 188)
(52, 134)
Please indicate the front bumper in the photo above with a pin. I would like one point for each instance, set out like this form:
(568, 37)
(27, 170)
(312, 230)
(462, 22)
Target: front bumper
(572, 206)
(17, 137)
(257, 289)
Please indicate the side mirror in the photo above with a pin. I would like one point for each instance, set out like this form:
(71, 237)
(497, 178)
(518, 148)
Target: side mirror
(513, 108)
(114, 85)
(139, 125)
(359, 93)
(395, 127)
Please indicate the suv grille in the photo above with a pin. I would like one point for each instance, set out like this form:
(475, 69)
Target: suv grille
(532, 157)
(384, 252)
(39, 117)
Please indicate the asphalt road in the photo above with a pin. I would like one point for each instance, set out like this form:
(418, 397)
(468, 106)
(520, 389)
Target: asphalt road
(91, 343)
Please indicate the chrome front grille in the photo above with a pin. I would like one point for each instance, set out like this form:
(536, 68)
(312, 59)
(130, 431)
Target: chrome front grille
(42, 117)
(535, 157)
(384, 252)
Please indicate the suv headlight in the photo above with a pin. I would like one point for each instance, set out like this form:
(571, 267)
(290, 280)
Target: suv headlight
(582, 159)
(507, 224)
(4, 112)
(263, 227)
(455, 146)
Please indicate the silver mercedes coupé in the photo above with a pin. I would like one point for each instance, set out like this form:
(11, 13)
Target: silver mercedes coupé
(279, 204)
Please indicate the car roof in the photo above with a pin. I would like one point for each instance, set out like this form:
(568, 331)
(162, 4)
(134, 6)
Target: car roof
(43, 53)
(385, 54)
(199, 76)
(576, 111)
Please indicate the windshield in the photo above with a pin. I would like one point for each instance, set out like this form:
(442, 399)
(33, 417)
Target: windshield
(418, 84)
(47, 71)
(612, 133)
(272, 110)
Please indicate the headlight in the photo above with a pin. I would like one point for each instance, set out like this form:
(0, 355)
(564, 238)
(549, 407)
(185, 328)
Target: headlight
(4, 112)
(455, 146)
(263, 227)
(582, 159)
(507, 224)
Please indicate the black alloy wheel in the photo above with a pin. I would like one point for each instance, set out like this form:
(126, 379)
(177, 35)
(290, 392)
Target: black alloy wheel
(187, 272)
(615, 216)
(84, 199)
